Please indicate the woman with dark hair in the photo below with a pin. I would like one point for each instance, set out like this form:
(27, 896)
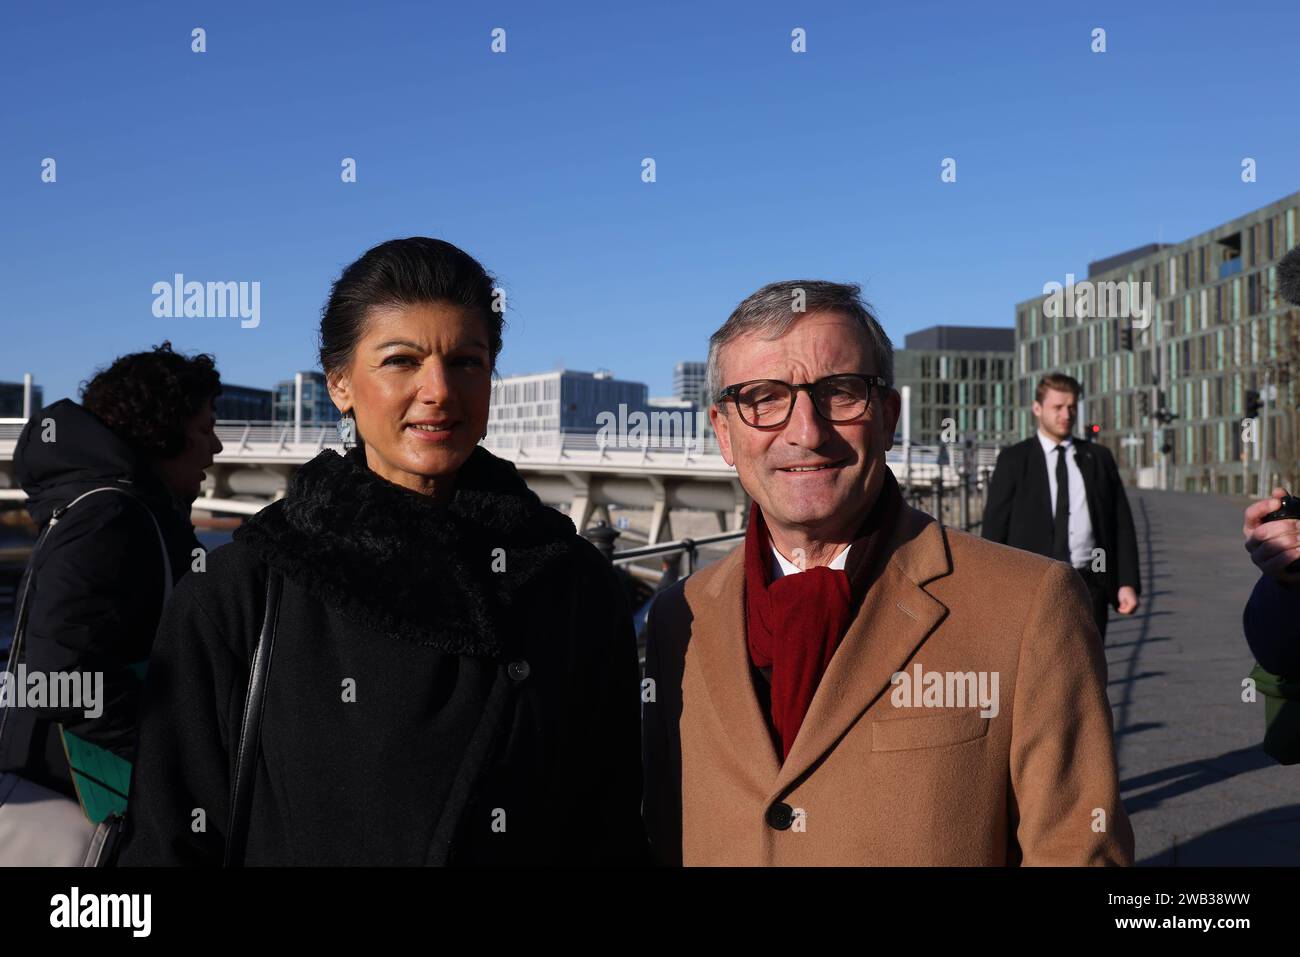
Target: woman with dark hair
(409, 659)
(130, 458)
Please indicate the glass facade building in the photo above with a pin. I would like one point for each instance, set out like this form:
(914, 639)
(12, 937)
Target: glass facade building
(317, 408)
(962, 375)
(534, 409)
(245, 404)
(1216, 328)
(11, 400)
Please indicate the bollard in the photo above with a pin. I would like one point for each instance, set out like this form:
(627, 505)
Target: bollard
(602, 536)
(688, 546)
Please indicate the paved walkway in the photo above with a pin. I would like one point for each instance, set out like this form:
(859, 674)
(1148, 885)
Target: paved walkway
(1196, 785)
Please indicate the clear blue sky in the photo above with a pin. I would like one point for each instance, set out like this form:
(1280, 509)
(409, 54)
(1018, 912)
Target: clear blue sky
(771, 165)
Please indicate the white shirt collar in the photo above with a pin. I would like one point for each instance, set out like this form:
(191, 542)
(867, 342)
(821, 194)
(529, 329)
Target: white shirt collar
(1049, 444)
(781, 567)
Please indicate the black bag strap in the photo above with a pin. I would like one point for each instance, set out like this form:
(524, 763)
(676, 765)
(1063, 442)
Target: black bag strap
(250, 731)
(20, 619)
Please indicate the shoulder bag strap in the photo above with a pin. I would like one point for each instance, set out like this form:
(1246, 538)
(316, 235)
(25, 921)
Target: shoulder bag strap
(250, 731)
(20, 619)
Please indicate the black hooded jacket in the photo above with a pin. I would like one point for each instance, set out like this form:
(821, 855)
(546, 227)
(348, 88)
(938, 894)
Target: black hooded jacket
(450, 683)
(96, 582)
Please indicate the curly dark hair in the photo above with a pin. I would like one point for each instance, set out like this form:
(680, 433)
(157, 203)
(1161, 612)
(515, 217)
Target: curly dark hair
(146, 398)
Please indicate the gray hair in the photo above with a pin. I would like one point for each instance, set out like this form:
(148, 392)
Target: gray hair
(771, 312)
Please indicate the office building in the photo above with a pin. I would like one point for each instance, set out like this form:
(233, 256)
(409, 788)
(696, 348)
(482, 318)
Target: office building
(960, 377)
(532, 410)
(11, 400)
(317, 408)
(242, 403)
(1213, 330)
(690, 382)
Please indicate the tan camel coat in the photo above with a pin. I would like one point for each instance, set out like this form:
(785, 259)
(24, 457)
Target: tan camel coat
(874, 778)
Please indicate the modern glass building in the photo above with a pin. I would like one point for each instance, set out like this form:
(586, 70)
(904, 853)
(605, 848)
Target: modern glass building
(11, 400)
(1216, 330)
(317, 408)
(534, 409)
(690, 382)
(962, 374)
(245, 403)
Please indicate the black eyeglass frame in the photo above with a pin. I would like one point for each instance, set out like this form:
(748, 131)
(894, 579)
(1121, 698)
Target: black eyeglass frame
(732, 392)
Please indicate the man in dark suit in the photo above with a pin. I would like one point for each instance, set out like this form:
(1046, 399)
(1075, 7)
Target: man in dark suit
(1090, 526)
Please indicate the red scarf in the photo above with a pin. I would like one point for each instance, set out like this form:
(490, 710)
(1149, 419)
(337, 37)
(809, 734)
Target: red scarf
(794, 624)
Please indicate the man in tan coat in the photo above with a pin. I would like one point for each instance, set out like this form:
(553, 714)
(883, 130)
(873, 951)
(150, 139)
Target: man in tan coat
(855, 684)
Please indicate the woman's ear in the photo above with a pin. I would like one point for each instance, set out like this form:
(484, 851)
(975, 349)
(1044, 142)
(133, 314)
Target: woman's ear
(340, 389)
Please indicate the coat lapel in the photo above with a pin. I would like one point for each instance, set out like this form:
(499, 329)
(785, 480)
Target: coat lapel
(1041, 487)
(724, 662)
(896, 616)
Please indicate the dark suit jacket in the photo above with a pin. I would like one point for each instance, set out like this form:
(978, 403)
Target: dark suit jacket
(1019, 508)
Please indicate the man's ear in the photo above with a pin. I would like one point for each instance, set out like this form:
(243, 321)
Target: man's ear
(893, 411)
(1037, 409)
(340, 389)
(721, 426)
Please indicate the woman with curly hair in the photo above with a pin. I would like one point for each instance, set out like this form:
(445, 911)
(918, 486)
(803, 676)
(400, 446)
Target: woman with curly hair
(448, 672)
(131, 457)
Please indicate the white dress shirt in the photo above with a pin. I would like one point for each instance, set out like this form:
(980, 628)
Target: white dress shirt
(781, 567)
(1081, 538)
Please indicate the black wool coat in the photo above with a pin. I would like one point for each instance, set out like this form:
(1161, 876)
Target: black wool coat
(450, 684)
(94, 587)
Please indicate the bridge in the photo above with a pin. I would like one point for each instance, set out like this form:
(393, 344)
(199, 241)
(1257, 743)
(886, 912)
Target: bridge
(579, 472)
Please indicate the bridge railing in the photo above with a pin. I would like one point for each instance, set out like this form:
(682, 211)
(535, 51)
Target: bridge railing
(283, 440)
(241, 437)
(602, 536)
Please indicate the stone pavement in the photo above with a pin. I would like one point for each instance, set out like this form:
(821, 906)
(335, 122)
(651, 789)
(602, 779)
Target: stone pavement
(1198, 789)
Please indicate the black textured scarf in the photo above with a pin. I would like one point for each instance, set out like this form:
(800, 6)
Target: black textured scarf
(444, 575)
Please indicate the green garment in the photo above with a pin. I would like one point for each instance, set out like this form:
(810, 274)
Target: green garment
(1281, 715)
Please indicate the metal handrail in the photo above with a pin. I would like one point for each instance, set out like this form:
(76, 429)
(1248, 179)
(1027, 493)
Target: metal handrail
(681, 545)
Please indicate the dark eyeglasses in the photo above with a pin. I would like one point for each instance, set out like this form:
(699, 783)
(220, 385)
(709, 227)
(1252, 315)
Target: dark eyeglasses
(767, 403)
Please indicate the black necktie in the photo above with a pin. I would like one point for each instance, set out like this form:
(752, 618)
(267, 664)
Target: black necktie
(1061, 527)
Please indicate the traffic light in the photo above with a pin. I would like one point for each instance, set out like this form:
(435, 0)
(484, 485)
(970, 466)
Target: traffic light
(1144, 403)
(1092, 431)
(1166, 443)
(1163, 415)
(1126, 338)
(1253, 403)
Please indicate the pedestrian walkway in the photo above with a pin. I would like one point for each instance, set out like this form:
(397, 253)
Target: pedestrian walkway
(1197, 787)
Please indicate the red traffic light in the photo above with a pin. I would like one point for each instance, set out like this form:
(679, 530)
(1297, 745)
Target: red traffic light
(1094, 429)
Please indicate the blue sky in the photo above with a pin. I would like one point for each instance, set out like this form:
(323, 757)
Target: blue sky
(770, 165)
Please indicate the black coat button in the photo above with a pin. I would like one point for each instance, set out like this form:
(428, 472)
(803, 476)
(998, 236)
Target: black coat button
(518, 670)
(780, 816)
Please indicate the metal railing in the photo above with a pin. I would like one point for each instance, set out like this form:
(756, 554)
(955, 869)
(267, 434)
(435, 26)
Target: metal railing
(602, 536)
(242, 437)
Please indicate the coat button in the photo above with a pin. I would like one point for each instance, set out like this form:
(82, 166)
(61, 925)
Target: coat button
(518, 670)
(780, 816)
